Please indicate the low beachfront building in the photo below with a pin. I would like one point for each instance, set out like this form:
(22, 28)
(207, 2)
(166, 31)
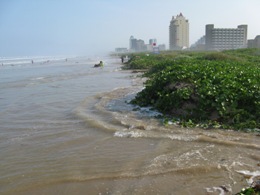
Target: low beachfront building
(254, 43)
(199, 44)
(121, 50)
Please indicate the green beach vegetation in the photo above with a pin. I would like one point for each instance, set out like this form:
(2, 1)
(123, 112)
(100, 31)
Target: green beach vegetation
(250, 191)
(202, 89)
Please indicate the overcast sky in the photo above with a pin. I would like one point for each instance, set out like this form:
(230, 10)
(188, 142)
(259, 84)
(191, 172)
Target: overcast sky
(87, 27)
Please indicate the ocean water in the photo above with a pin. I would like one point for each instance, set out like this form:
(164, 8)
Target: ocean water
(67, 128)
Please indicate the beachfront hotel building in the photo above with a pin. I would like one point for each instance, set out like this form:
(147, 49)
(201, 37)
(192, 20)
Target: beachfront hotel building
(178, 33)
(225, 38)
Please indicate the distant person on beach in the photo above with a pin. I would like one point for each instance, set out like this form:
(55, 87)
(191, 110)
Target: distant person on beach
(122, 59)
(32, 61)
(101, 64)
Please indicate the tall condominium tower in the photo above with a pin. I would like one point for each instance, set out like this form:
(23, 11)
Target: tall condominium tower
(131, 43)
(178, 33)
(136, 44)
(152, 42)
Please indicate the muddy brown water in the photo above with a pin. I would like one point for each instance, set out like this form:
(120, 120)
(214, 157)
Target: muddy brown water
(70, 130)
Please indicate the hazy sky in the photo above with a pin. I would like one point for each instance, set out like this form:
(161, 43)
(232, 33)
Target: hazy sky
(87, 27)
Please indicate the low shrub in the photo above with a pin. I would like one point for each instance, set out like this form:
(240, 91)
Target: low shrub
(199, 89)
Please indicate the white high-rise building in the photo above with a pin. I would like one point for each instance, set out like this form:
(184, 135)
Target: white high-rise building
(179, 33)
(226, 38)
